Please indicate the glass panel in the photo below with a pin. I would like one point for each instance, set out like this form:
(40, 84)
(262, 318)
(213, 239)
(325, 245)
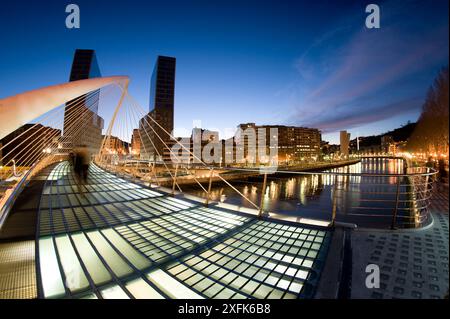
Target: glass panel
(117, 264)
(75, 278)
(114, 292)
(90, 296)
(50, 275)
(171, 286)
(129, 252)
(141, 290)
(97, 270)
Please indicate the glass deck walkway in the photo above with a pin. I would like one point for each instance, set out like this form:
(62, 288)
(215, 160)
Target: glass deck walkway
(117, 239)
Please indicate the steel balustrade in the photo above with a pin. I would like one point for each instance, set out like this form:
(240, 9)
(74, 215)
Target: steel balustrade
(402, 198)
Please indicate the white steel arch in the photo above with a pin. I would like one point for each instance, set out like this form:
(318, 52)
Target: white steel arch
(22, 108)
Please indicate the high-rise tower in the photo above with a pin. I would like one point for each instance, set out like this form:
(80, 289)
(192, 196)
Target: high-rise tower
(345, 143)
(82, 125)
(161, 110)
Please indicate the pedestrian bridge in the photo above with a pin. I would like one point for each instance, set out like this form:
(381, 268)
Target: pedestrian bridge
(112, 238)
(125, 236)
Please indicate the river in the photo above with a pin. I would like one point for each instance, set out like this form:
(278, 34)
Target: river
(365, 200)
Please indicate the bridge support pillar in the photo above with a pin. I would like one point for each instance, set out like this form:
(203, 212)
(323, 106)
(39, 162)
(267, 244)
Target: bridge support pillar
(334, 208)
(111, 124)
(174, 180)
(263, 192)
(397, 197)
(208, 195)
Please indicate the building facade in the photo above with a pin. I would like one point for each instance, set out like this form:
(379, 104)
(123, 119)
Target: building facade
(82, 125)
(293, 144)
(345, 143)
(136, 143)
(202, 146)
(114, 145)
(161, 110)
(27, 144)
(388, 144)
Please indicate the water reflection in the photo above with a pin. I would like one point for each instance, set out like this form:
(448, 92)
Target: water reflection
(310, 196)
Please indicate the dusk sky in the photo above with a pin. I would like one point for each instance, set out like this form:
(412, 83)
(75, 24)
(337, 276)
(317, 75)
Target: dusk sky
(306, 63)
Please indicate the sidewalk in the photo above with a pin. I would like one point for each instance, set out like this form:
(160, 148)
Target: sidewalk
(413, 263)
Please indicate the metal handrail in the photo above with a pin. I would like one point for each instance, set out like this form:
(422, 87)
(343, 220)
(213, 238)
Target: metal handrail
(416, 201)
(16, 190)
(268, 168)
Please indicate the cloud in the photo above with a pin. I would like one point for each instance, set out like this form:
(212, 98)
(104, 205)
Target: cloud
(351, 79)
(339, 121)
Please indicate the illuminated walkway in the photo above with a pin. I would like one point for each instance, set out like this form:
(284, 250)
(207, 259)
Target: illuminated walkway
(116, 239)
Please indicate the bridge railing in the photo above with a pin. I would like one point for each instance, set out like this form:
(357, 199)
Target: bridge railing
(12, 192)
(363, 199)
(376, 200)
(42, 140)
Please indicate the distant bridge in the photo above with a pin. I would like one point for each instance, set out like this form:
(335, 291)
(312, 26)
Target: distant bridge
(382, 156)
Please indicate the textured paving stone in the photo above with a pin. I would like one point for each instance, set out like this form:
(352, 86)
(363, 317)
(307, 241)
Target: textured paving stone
(413, 263)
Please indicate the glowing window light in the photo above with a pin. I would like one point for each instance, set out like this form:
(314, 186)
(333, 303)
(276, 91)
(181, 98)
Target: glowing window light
(114, 292)
(171, 286)
(51, 277)
(141, 290)
(75, 278)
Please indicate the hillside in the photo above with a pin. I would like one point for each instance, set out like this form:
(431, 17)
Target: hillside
(399, 134)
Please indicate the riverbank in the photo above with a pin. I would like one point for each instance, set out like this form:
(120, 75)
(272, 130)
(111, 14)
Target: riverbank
(316, 167)
(202, 175)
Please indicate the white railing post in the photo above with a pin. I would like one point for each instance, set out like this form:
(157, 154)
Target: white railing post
(397, 196)
(111, 123)
(208, 194)
(263, 193)
(334, 206)
(174, 180)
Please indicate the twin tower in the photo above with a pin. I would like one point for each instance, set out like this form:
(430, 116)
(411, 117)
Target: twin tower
(87, 128)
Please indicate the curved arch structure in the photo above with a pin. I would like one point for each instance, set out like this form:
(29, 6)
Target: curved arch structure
(22, 108)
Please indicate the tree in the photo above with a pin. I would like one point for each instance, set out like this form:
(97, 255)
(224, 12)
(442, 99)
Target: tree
(431, 132)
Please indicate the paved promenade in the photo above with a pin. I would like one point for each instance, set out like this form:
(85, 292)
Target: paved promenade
(413, 263)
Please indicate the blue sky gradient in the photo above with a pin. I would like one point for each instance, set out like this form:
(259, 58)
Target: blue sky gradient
(309, 63)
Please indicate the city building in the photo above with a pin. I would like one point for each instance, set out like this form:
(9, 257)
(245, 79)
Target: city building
(184, 152)
(329, 151)
(162, 94)
(293, 144)
(246, 141)
(26, 144)
(345, 143)
(82, 125)
(114, 145)
(203, 145)
(228, 152)
(135, 143)
(206, 146)
(388, 144)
